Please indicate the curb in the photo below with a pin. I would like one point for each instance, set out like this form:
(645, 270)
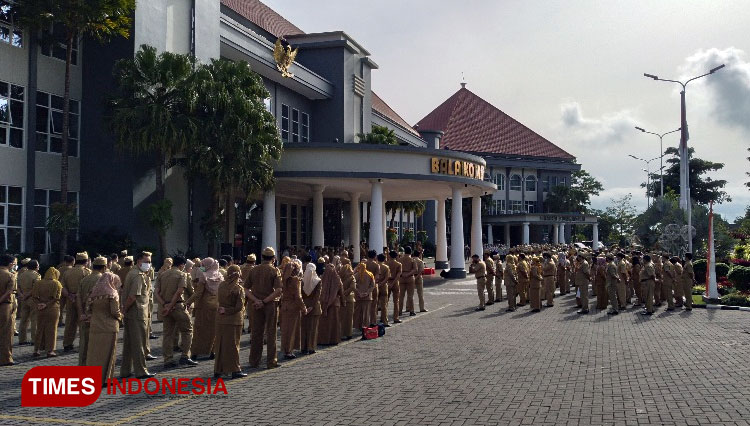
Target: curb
(724, 307)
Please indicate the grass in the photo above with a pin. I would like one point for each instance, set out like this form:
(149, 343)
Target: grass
(698, 300)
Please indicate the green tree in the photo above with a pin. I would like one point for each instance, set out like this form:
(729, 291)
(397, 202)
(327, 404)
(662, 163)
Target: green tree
(380, 135)
(100, 19)
(622, 214)
(576, 197)
(747, 184)
(151, 115)
(703, 189)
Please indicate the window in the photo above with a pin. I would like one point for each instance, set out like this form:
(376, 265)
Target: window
(563, 181)
(515, 183)
(530, 183)
(553, 181)
(497, 207)
(43, 199)
(294, 128)
(284, 123)
(49, 118)
(500, 182)
(305, 131)
(10, 33)
(57, 47)
(294, 224)
(267, 104)
(516, 206)
(304, 226)
(530, 206)
(282, 224)
(11, 218)
(545, 183)
(11, 115)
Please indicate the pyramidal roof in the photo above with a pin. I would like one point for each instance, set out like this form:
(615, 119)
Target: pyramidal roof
(471, 124)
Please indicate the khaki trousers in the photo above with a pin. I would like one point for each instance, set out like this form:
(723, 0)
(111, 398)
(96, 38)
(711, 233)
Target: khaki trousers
(361, 314)
(394, 292)
(612, 292)
(481, 284)
(419, 284)
(677, 289)
(549, 290)
(383, 302)
(177, 321)
(649, 292)
(666, 293)
(583, 286)
(511, 290)
(71, 324)
(523, 292)
(657, 292)
(406, 288)
(133, 348)
(28, 318)
(687, 290)
(621, 293)
(6, 333)
(498, 289)
(264, 319)
(347, 318)
(373, 316)
(83, 343)
(535, 296)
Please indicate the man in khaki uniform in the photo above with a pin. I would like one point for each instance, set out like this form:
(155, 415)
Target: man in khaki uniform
(26, 306)
(612, 278)
(549, 272)
(172, 284)
(7, 296)
(582, 280)
(406, 282)
(622, 271)
(71, 283)
(419, 280)
(511, 280)
(244, 276)
(688, 281)
(647, 276)
(87, 284)
(677, 284)
(523, 272)
(498, 277)
(659, 268)
(381, 281)
(667, 281)
(264, 291)
(373, 268)
(113, 263)
(490, 267)
(394, 289)
(63, 268)
(136, 290)
(479, 269)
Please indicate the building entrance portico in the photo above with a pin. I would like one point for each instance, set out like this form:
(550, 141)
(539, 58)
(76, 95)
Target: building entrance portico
(528, 228)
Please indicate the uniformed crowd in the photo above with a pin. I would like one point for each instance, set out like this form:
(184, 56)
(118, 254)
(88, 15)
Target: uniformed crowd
(318, 299)
(533, 273)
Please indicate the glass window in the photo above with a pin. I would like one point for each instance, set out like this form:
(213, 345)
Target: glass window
(500, 181)
(11, 219)
(515, 183)
(282, 224)
(545, 183)
(56, 48)
(516, 206)
(553, 181)
(563, 181)
(11, 114)
(294, 224)
(530, 206)
(295, 125)
(267, 104)
(530, 183)
(43, 198)
(305, 131)
(10, 33)
(284, 123)
(49, 119)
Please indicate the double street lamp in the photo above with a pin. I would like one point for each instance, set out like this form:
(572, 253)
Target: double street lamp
(684, 161)
(648, 177)
(661, 153)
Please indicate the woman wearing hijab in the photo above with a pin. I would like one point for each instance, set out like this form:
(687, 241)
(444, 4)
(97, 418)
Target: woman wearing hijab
(311, 298)
(364, 284)
(600, 283)
(164, 267)
(206, 304)
(347, 313)
(563, 268)
(331, 300)
(46, 294)
(231, 301)
(292, 308)
(103, 307)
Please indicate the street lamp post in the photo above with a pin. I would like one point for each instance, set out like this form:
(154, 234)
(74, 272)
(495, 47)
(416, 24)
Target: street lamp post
(648, 176)
(661, 153)
(684, 161)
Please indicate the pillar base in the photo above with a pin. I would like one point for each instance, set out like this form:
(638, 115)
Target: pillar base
(442, 264)
(454, 273)
(711, 300)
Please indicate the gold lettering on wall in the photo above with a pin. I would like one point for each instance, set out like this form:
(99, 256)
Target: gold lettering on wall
(446, 166)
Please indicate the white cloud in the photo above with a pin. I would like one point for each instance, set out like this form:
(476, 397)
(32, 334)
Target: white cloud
(612, 128)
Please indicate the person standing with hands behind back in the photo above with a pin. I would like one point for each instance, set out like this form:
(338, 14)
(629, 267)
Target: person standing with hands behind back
(478, 268)
(136, 292)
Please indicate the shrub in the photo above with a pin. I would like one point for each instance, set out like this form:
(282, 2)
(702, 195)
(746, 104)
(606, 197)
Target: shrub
(740, 277)
(735, 299)
(699, 267)
(722, 270)
(699, 290)
(741, 262)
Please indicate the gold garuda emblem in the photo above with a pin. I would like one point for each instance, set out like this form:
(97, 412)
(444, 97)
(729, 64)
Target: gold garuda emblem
(284, 58)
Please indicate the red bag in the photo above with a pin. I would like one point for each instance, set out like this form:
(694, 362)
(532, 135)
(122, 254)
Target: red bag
(370, 333)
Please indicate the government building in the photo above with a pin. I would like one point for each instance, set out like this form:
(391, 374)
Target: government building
(330, 189)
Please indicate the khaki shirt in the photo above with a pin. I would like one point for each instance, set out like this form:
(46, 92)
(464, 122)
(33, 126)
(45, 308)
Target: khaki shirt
(509, 274)
(688, 275)
(395, 269)
(648, 273)
(490, 264)
(583, 273)
(420, 267)
(25, 281)
(71, 281)
(170, 282)
(523, 272)
(47, 291)
(381, 278)
(667, 273)
(263, 280)
(677, 273)
(479, 270)
(231, 297)
(622, 269)
(373, 266)
(137, 284)
(611, 273)
(291, 296)
(7, 283)
(408, 268)
(87, 284)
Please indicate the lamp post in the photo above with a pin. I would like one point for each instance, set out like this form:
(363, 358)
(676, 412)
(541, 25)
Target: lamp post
(661, 153)
(648, 176)
(684, 161)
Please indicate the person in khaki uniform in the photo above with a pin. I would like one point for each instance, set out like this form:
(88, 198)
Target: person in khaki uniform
(113, 264)
(347, 313)
(71, 282)
(511, 280)
(365, 282)
(479, 269)
(582, 280)
(659, 268)
(549, 272)
(373, 267)
(87, 284)
(292, 308)
(264, 292)
(394, 285)
(311, 291)
(490, 266)
(136, 290)
(612, 278)
(46, 295)
(231, 298)
(406, 282)
(206, 281)
(622, 270)
(563, 270)
(535, 284)
(65, 266)
(688, 281)
(668, 281)
(635, 283)
(419, 280)
(103, 308)
(244, 274)
(172, 284)
(381, 281)
(7, 297)
(648, 275)
(498, 277)
(523, 271)
(26, 307)
(677, 284)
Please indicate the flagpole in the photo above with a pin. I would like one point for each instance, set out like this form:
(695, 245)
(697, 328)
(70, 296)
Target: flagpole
(712, 290)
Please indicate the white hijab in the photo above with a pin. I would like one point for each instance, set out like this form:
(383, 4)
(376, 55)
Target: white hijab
(310, 279)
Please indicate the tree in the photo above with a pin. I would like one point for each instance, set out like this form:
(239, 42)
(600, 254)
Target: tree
(747, 184)
(380, 135)
(151, 115)
(622, 215)
(576, 197)
(101, 19)
(703, 189)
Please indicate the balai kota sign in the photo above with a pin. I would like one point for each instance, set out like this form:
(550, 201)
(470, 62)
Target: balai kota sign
(446, 166)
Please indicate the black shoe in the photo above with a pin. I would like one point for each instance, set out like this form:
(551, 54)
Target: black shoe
(688, 309)
(187, 361)
(146, 376)
(212, 356)
(305, 352)
(15, 333)
(498, 300)
(272, 366)
(150, 357)
(670, 309)
(488, 303)
(238, 375)
(170, 364)
(350, 337)
(217, 375)
(67, 348)
(8, 364)
(290, 356)
(423, 310)
(646, 313)
(308, 352)
(384, 325)
(412, 314)
(549, 306)
(612, 313)
(535, 310)
(61, 324)
(397, 321)
(126, 376)
(520, 304)
(583, 311)
(510, 310)
(479, 309)
(176, 349)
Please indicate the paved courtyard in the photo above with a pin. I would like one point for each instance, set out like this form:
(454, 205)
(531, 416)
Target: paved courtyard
(453, 365)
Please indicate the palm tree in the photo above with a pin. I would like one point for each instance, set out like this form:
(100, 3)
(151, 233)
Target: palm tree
(151, 115)
(102, 19)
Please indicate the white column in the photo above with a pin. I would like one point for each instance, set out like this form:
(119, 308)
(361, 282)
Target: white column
(354, 225)
(595, 236)
(507, 235)
(441, 250)
(476, 226)
(490, 237)
(555, 233)
(376, 217)
(526, 232)
(457, 232)
(385, 232)
(269, 219)
(562, 233)
(318, 238)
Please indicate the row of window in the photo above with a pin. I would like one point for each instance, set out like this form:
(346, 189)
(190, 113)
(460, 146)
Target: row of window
(530, 183)
(295, 125)
(10, 32)
(293, 215)
(497, 207)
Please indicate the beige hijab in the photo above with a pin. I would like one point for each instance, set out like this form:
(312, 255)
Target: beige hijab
(310, 279)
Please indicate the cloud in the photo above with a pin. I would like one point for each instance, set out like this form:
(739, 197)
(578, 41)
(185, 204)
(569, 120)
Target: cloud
(728, 90)
(608, 129)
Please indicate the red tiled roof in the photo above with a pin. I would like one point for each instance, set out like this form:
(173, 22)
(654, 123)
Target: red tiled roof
(470, 123)
(263, 16)
(381, 107)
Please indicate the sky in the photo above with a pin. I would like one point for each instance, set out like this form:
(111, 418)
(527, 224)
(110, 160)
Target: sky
(570, 70)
